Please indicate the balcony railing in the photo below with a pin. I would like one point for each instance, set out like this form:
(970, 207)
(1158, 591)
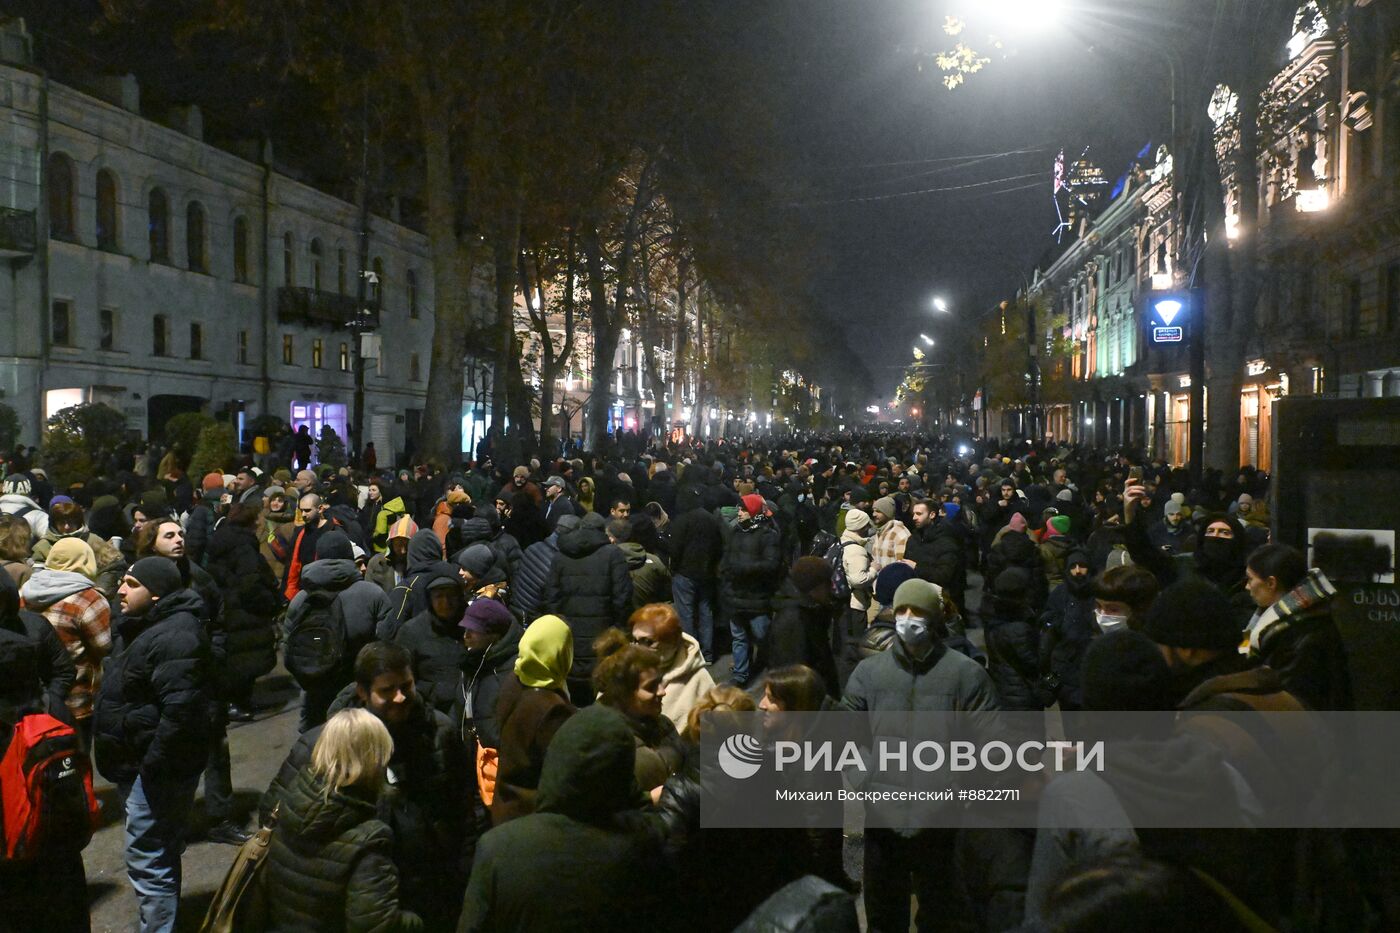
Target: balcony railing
(315, 308)
(18, 233)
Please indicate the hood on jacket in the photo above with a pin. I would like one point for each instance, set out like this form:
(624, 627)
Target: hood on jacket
(546, 654)
(588, 769)
(1222, 572)
(330, 573)
(1172, 778)
(689, 660)
(582, 541)
(186, 600)
(636, 555)
(404, 527)
(1017, 546)
(424, 550)
(396, 506)
(310, 814)
(47, 587)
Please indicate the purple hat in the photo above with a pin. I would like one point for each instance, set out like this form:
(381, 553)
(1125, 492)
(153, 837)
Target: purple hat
(487, 616)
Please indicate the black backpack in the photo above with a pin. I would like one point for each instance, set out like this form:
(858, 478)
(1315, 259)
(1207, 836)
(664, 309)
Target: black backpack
(315, 646)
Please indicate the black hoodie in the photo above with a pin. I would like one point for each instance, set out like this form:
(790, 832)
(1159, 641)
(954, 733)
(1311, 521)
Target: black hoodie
(410, 597)
(55, 667)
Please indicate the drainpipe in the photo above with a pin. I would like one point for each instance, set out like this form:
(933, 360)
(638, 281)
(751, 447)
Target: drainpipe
(41, 242)
(264, 289)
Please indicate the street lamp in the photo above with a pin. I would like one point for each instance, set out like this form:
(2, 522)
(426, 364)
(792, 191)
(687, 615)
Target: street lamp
(926, 339)
(940, 305)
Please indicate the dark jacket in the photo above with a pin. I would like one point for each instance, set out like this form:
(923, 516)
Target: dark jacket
(527, 718)
(56, 669)
(152, 714)
(1013, 652)
(199, 528)
(651, 581)
(801, 634)
(590, 588)
(252, 599)
(696, 545)
(410, 597)
(750, 570)
(486, 529)
(426, 806)
(485, 673)
(368, 612)
(940, 557)
(528, 585)
(438, 655)
(1016, 549)
(590, 858)
(1067, 627)
(329, 865)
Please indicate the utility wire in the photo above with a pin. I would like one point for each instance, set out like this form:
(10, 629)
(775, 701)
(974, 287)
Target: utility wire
(908, 194)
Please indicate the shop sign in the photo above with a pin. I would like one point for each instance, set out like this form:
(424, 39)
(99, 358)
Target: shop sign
(1256, 368)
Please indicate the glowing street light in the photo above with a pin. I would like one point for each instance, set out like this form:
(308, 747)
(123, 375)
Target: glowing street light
(940, 305)
(926, 339)
(1026, 16)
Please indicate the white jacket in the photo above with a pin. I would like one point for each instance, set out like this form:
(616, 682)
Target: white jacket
(37, 518)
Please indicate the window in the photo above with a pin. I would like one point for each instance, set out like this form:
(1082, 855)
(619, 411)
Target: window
(413, 369)
(107, 211)
(196, 341)
(195, 254)
(316, 346)
(316, 264)
(289, 271)
(345, 357)
(240, 250)
(158, 225)
(340, 270)
(1392, 298)
(243, 347)
(411, 280)
(289, 355)
(377, 284)
(61, 197)
(1353, 321)
(61, 326)
(107, 329)
(160, 335)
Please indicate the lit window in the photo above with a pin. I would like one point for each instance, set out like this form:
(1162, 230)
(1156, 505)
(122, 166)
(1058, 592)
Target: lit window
(345, 357)
(316, 347)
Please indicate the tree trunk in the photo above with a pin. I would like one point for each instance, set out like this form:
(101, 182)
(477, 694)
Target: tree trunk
(506, 242)
(604, 344)
(441, 436)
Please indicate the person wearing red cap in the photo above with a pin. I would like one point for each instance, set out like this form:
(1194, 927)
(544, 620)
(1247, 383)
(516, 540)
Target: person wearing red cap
(748, 579)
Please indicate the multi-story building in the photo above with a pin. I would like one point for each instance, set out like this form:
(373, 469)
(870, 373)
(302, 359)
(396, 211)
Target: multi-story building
(1328, 224)
(160, 274)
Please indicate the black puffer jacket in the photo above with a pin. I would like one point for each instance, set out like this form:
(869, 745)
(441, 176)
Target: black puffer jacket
(252, 598)
(152, 713)
(427, 807)
(1067, 627)
(590, 588)
(801, 634)
(438, 655)
(1016, 549)
(941, 558)
(1013, 652)
(329, 866)
(485, 528)
(751, 568)
(528, 585)
(485, 673)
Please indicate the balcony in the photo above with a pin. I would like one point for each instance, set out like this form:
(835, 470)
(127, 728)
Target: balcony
(314, 308)
(18, 237)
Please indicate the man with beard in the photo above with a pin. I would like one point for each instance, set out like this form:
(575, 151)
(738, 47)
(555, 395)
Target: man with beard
(936, 552)
(428, 800)
(1173, 534)
(1066, 627)
(389, 569)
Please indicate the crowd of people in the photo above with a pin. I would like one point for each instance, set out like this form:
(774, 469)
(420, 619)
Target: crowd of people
(503, 671)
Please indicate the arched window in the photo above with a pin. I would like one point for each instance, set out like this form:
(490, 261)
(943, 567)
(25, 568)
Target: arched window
(376, 289)
(411, 280)
(240, 249)
(195, 251)
(107, 211)
(158, 225)
(316, 264)
(61, 197)
(289, 270)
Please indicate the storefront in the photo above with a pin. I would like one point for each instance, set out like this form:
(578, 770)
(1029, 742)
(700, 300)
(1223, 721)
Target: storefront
(1169, 418)
(1262, 387)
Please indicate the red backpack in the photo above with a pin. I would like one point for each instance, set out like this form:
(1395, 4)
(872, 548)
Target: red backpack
(46, 789)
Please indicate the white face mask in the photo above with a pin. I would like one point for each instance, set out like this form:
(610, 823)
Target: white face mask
(1109, 623)
(914, 632)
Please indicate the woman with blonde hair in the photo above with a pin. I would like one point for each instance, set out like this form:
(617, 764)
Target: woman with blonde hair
(330, 866)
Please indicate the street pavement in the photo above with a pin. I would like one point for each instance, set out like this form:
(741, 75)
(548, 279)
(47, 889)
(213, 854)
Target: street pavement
(256, 750)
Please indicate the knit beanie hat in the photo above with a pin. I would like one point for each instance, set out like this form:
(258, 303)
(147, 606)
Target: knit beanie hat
(753, 504)
(74, 555)
(567, 523)
(1060, 524)
(1123, 670)
(1013, 584)
(859, 494)
(334, 545)
(951, 510)
(810, 572)
(1065, 495)
(1192, 613)
(922, 595)
(1171, 508)
(856, 520)
(157, 574)
(476, 560)
(889, 580)
(17, 484)
(403, 528)
(885, 506)
(212, 481)
(487, 617)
